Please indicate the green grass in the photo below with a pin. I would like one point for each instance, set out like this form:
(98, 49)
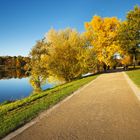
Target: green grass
(131, 67)
(16, 114)
(134, 76)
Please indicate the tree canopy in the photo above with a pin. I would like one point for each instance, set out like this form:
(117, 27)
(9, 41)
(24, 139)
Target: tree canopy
(67, 54)
(102, 33)
(129, 33)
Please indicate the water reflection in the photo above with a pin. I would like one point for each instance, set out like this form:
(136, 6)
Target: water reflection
(17, 83)
(13, 89)
(13, 73)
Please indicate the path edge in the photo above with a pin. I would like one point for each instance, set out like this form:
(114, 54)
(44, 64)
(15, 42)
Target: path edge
(46, 112)
(133, 86)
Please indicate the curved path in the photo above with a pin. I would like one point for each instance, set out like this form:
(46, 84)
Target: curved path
(107, 109)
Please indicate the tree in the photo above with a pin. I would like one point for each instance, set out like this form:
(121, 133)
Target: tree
(101, 33)
(39, 72)
(66, 54)
(129, 33)
(126, 61)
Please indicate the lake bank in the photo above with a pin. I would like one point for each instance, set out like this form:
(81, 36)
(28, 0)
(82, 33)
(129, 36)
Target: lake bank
(15, 85)
(15, 114)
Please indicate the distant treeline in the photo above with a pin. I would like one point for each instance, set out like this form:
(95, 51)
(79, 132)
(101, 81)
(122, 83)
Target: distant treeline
(14, 62)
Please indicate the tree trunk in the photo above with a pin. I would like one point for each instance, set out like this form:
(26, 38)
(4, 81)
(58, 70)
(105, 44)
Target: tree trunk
(105, 67)
(98, 68)
(37, 87)
(108, 67)
(134, 60)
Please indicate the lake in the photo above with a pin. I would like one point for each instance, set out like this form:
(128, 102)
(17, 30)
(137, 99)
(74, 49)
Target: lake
(14, 84)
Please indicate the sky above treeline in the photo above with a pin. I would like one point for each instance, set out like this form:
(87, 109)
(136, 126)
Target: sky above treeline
(23, 22)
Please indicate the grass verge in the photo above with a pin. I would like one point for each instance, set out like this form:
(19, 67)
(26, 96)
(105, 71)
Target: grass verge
(16, 114)
(134, 75)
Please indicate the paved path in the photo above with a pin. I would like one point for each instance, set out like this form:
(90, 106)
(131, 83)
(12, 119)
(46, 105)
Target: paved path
(105, 110)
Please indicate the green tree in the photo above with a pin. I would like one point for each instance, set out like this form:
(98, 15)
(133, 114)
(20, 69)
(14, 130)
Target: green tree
(129, 33)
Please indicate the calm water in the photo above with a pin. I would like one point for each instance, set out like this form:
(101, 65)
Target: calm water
(15, 85)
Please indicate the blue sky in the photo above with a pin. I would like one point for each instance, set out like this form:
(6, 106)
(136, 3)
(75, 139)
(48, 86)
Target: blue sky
(23, 22)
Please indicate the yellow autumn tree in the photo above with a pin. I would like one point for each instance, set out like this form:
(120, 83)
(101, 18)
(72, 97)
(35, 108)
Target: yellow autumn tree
(39, 72)
(126, 60)
(101, 33)
(67, 53)
(63, 55)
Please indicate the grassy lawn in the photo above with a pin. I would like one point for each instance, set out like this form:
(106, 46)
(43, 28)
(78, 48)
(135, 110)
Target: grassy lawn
(134, 76)
(16, 114)
(131, 67)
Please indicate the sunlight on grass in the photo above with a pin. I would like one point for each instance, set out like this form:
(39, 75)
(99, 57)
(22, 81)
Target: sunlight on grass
(134, 76)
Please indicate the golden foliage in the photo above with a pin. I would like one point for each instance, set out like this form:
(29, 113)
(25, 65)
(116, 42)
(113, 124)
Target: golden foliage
(66, 54)
(126, 60)
(102, 32)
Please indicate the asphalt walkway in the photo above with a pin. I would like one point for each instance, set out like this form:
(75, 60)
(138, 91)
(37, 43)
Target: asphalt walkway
(107, 109)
